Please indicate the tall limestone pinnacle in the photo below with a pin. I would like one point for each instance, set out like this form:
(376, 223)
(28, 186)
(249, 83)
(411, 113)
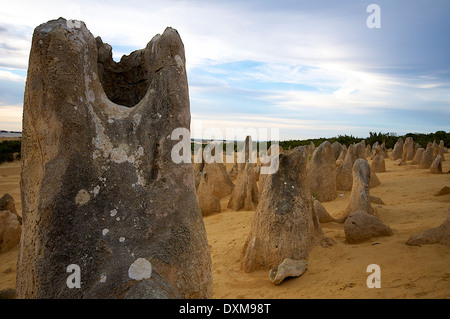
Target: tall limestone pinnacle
(285, 224)
(99, 188)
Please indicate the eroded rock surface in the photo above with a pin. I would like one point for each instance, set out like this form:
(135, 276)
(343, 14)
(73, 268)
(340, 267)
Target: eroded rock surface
(321, 173)
(439, 234)
(100, 189)
(285, 224)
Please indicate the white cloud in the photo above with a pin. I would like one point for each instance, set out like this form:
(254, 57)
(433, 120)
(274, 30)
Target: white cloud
(9, 76)
(211, 31)
(15, 44)
(324, 46)
(11, 117)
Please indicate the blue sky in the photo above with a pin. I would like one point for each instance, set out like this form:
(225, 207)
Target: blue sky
(309, 68)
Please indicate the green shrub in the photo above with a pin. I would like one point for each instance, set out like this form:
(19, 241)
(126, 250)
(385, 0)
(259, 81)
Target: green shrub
(9, 150)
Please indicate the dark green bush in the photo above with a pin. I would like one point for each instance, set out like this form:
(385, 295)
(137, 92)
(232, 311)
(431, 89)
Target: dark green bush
(388, 138)
(9, 150)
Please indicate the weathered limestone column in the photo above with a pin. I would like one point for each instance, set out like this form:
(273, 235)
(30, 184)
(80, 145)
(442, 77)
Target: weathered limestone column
(321, 173)
(99, 188)
(245, 192)
(360, 195)
(285, 224)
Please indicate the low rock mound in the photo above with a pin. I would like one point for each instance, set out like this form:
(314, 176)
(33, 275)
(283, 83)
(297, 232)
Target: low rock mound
(443, 191)
(440, 234)
(10, 231)
(8, 294)
(436, 166)
(361, 226)
(7, 203)
(288, 268)
(10, 224)
(376, 200)
(322, 213)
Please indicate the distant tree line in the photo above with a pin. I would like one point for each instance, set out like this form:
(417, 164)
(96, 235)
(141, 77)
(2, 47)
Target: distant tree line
(388, 138)
(424, 139)
(9, 150)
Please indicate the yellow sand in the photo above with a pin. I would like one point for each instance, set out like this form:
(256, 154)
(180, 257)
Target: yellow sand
(335, 272)
(340, 271)
(9, 183)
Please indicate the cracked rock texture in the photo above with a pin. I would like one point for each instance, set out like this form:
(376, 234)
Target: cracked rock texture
(99, 187)
(285, 224)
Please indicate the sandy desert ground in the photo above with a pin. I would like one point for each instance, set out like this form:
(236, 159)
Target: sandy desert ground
(335, 272)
